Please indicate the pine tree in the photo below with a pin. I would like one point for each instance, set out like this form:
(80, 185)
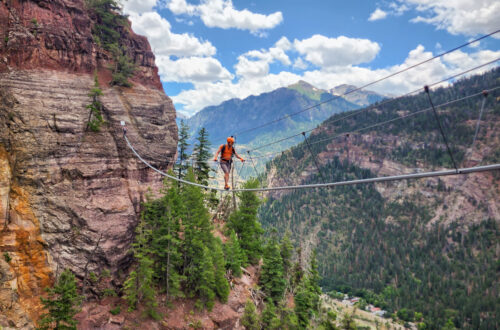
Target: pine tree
(182, 155)
(272, 278)
(205, 287)
(288, 317)
(235, 257)
(297, 272)
(286, 249)
(163, 217)
(198, 263)
(202, 154)
(61, 303)
(269, 319)
(313, 278)
(304, 305)
(139, 287)
(245, 223)
(221, 284)
(250, 319)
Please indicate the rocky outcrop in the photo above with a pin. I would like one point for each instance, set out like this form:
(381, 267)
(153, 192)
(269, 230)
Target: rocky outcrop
(180, 314)
(64, 186)
(57, 34)
(70, 197)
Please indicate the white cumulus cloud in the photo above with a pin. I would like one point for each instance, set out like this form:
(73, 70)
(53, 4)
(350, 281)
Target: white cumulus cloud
(458, 17)
(222, 14)
(377, 15)
(191, 69)
(138, 6)
(211, 93)
(179, 57)
(334, 52)
(255, 63)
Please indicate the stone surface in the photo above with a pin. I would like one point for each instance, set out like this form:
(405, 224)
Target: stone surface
(63, 187)
(57, 34)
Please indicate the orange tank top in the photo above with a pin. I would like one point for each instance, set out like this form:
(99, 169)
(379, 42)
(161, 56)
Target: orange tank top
(227, 152)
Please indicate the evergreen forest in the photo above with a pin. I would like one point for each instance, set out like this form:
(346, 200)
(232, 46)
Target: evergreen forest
(397, 245)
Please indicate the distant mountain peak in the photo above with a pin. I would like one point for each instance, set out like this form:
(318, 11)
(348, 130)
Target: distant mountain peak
(341, 89)
(303, 85)
(360, 97)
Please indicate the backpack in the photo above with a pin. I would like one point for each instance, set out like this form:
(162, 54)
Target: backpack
(223, 149)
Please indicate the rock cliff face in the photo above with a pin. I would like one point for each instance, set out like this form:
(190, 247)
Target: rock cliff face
(64, 188)
(56, 34)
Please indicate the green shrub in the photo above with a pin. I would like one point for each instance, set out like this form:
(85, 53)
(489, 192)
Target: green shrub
(116, 310)
(7, 256)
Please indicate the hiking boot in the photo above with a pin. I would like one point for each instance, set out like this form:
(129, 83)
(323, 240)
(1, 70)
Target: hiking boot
(227, 187)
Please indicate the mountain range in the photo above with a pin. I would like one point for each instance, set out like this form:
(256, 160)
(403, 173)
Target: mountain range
(425, 249)
(239, 117)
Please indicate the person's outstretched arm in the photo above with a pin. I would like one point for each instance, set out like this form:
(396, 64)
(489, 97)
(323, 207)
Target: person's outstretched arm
(238, 156)
(217, 153)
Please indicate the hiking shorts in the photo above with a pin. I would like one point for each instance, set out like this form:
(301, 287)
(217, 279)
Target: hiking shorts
(226, 166)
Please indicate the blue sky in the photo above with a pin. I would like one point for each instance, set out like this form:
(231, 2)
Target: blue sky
(210, 51)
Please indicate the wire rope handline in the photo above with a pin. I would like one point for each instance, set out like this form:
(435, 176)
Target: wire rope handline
(390, 120)
(469, 170)
(369, 84)
(314, 158)
(331, 184)
(485, 94)
(426, 88)
(358, 111)
(403, 117)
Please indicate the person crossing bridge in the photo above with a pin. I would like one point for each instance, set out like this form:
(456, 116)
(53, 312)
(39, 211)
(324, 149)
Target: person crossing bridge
(227, 151)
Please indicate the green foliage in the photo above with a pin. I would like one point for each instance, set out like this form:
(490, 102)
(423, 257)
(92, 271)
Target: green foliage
(347, 322)
(34, 21)
(123, 67)
(405, 315)
(235, 256)
(109, 292)
(95, 107)
(7, 256)
(288, 318)
(108, 27)
(245, 224)
(108, 22)
(386, 251)
(269, 319)
(202, 154)
(115, 311)
(304, 305)
(176, 251)
(93, 277)
(286, 250)
(182, 146)
(250, 319)
(272, 278)
(221, 284)
(61, 303)
(206, 285)
(307, 297)
(139, 287)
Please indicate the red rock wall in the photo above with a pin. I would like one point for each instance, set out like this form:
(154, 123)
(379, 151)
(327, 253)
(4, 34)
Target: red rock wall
(63, 187)
(57, 34)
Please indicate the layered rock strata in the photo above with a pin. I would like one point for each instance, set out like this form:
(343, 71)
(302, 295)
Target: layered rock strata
(57, 34)
(70, 197)
(76, 186)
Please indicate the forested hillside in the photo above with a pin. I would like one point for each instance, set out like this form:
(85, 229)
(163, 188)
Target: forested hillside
(427, 246)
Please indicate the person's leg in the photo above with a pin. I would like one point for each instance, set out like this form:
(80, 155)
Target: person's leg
(226, 178)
